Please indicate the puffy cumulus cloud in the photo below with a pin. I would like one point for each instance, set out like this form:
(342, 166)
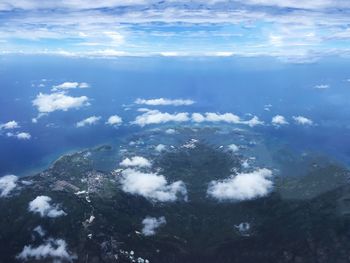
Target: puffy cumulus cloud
(150, 224)
(157, 117)
(233, 147)
(225, 117)
(302, 120)
(88, 121)
(321, 86)
(243, 186)
(197, 117)
(253, 122)
(41, 205)
(160, 147)
(152, 186)
(162, 101)
(7, 184)
(58, 101)
(279, 120)
(20, 135)
(70, 85)
(136, 161)
(55, 249)
(114, 120)
(9, 125)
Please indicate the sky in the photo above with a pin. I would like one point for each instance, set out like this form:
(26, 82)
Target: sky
(291, 30)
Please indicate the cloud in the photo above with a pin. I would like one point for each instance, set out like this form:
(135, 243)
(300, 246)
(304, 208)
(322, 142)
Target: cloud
(253, 122)
(197, 117)
(160, 147)
(52, 248)
(114, 120)
(225, 117)
(152, 186)
(20, 135)
(58, 101)
(7, 184)
(321, 86)
(278, 120)
(70, 85)
(302, 120)
(9, 125)
(150, 224)
(243, 186)
(136, 161)
(162, 101)
(88, 121)
(41, 232)
(170, 131)
(233, 147)
(41, 205)
(262, 27)
(156, 117)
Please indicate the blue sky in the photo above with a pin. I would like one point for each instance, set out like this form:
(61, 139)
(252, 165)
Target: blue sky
(291, 29)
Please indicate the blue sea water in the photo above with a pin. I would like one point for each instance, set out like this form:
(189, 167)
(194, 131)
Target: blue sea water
(239, 85)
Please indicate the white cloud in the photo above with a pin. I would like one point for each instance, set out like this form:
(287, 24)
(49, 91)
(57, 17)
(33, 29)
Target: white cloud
(152, 186)
(88, 121)
(41, 205)
(47, 103)
(170, 131)
(156, 117)
(162, 101)
(136, 161)
(197, 117)
(52, 248)
(322, 86)
(150, 224)
(279, 120)
(233, 147)
(20, 135)
(160, 147)
(114, 120)
(302, 120)
(7, 184)
(9, 125)
(225, 117)
(70, 85)
(253, 122)
(243, 186)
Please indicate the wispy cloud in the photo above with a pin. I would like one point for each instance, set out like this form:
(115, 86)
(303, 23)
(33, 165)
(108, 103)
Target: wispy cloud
(286, 29)
(92, 120)
(163, 101)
